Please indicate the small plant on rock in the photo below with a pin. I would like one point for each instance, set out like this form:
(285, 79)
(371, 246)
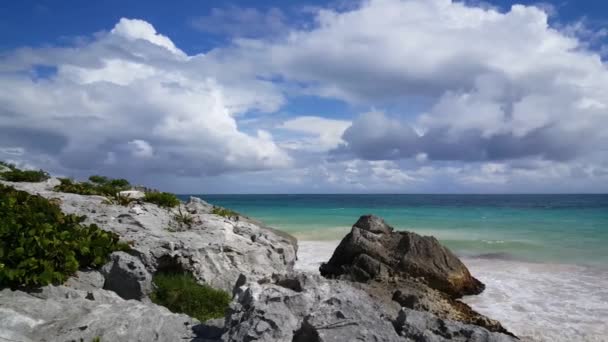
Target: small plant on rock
(180, 293)
(183, 221)
(224, 212)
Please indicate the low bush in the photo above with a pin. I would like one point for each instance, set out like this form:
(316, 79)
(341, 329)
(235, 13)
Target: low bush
(224, 212)
(162, 199)
(180, 293)
(15, 175)
(98, 185)
(40, 245)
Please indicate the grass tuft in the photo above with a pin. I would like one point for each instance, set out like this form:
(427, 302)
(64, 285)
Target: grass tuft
(180, 293)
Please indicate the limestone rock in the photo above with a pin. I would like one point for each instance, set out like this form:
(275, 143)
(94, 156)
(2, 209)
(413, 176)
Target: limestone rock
(127, 276)
(58, 313)
(306, 308)
(424, 327)
(309, 308)
(133, 194)
(374, 250)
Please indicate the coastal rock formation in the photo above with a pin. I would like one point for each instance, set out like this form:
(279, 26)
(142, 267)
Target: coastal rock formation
(218, 251)
(373, 250)
(60, 313)
(388, 286)
(416, 272)
(309, 308)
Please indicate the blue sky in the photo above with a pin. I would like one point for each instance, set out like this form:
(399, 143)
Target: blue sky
(407, 96)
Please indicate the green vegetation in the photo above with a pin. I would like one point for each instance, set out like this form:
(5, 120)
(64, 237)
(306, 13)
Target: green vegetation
(183, 221)
(224, 212)
(98, 185)
(180, 293)
(16, 175)
(40, 245)
(162, 199)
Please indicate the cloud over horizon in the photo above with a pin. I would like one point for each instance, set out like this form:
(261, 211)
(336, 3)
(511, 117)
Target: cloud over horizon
(440, 94)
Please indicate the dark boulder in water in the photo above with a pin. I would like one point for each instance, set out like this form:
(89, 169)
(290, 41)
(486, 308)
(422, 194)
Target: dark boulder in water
(373, 250)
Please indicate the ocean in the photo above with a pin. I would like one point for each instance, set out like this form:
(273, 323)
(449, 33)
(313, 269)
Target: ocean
(544, 258)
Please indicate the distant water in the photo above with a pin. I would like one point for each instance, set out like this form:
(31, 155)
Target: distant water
(543, 258)
(571, 229)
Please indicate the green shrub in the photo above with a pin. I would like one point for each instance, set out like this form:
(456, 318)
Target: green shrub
(224, 212)
(98, 185)
(16, 175)
(180, 293)
(162, 199)
(40, 245)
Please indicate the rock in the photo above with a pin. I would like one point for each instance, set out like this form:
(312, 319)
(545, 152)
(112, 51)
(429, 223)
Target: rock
(127, 276)
(137, 210)
(307, 308)
(211, 330)
(217, 251)
(133, 194)
(413, 271)
(86, 280)
(374, 250)
(424, 327)
(58, 313)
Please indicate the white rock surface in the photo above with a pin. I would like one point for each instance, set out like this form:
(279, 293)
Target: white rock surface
(134, 194)
(60, 313)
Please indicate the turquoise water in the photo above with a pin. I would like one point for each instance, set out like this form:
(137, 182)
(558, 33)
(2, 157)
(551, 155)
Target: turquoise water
(543, 228)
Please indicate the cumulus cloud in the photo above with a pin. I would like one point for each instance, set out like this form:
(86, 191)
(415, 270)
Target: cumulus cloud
(320, 134)
(463, 97)
(131, 99)
(501, 85)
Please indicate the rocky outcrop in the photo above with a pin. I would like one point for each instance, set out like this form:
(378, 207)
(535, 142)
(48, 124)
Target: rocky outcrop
(60, 313)
(310, 308)
(374, 250)
(414, 271)
(218, 251)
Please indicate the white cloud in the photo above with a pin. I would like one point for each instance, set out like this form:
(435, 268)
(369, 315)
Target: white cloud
(323, 134)
(141, 148)
(148, 101)
(133, 29)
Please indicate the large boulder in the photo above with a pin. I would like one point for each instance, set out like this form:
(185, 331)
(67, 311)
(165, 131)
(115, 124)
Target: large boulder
(374, 250)
(59, 313)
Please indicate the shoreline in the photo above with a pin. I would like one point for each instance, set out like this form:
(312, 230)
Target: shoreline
(537, 301)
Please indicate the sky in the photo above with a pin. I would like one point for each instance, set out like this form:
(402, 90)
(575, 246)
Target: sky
(375, 96)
